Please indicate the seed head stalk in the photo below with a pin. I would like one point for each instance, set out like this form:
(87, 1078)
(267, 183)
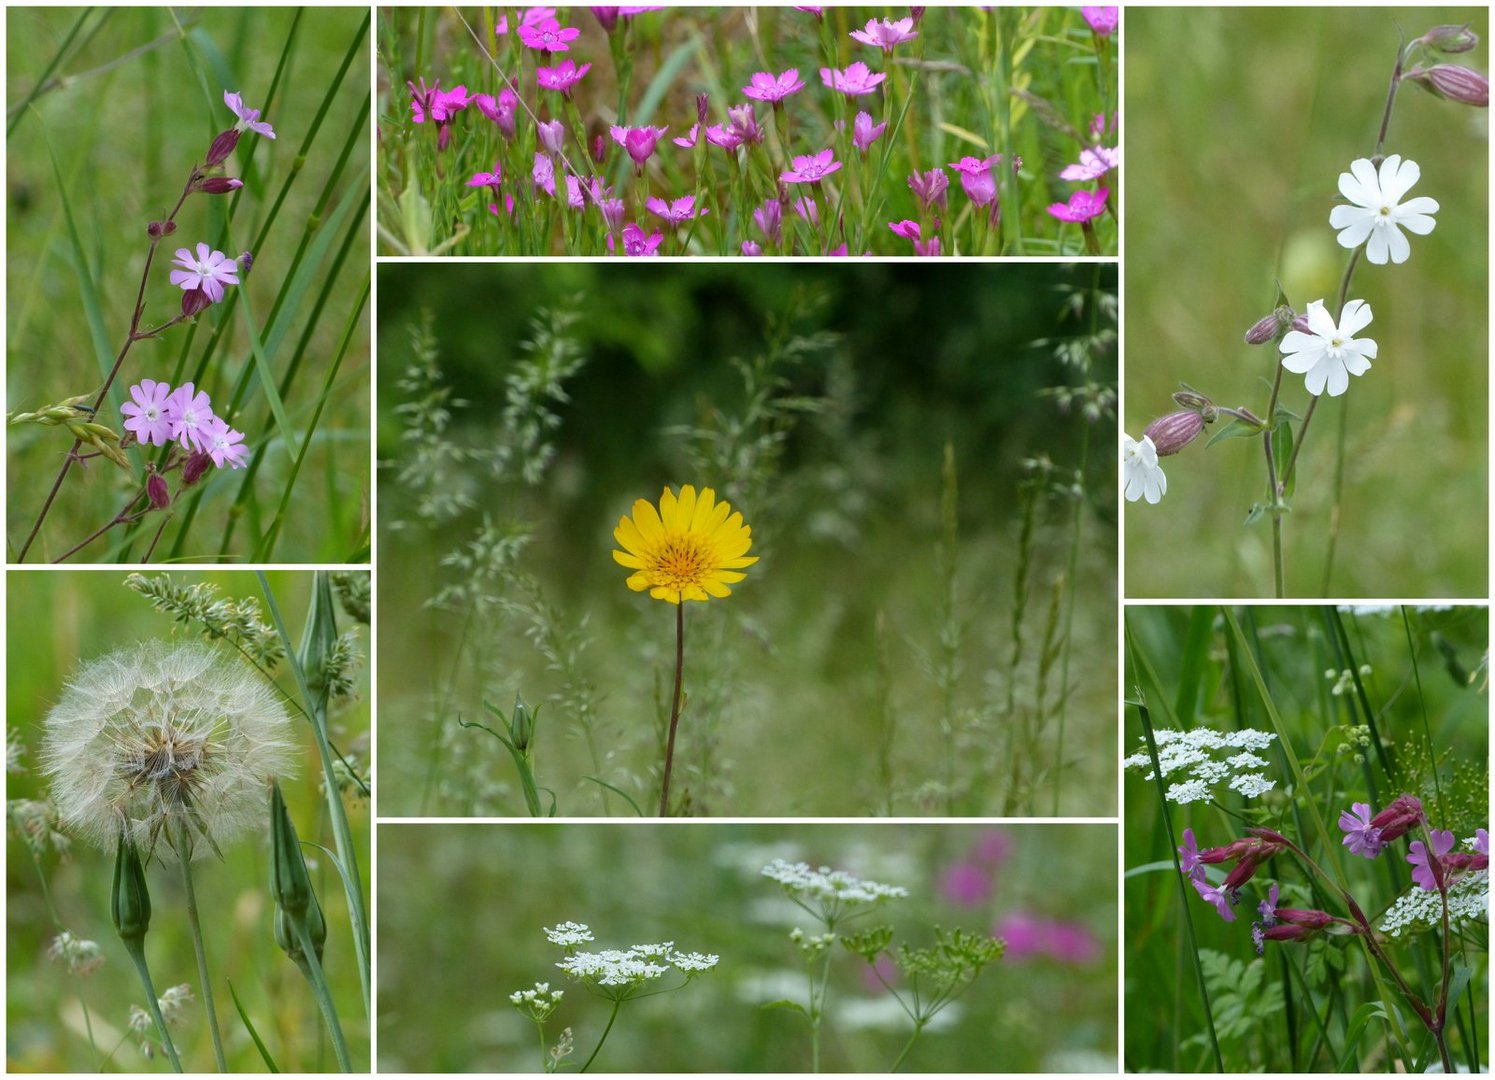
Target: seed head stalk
(137, 955)
(669, 751)
(184, 852)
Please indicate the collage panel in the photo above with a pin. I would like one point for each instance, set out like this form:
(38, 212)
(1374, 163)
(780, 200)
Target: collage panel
(187, 295)
(188, 843)
(729, 948)
(1307, 283)
(717, 540)
(726, 132)
(1305, 839)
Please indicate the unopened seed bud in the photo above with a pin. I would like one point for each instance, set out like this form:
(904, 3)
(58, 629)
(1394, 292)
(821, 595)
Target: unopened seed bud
(1300, 324)
(1171, 433)
(199, 463)
(917, 14)
(195, 301)
(159, 493)
(1450, 39)
(1193, 399)
(1461, 84)
(1270, 327)
(130, 900)
(219, 185)
(223, 145)
(521, 724)
(599, 150)
(157, 229)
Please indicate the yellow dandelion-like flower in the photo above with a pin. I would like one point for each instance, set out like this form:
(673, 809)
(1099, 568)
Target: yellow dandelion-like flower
(691, 548)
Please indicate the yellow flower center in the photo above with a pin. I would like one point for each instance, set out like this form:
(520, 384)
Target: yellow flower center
(681, 561)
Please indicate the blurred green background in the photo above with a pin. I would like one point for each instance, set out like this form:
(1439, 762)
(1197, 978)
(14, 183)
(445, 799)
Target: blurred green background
(790, 706)
(1239, 122)
(133, 101)
(55, 622)
(462, 907)
(1186, 670)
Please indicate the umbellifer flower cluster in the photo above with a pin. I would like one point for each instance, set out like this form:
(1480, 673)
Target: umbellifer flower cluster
(1209, 759)
(618, 974)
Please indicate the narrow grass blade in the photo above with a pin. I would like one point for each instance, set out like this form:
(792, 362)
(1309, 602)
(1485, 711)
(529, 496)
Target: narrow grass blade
(259, 1044)
(93, 310)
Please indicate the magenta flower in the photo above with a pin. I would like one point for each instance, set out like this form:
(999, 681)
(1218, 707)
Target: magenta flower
(562, 77)
(976, 178)
(1188, 857)
(966, 885)
(1429, 871)
(191, 412)
(1361, 837)
(1030, 936)
(993, 848)
(531, 17)
(504, 111)
(744, 124)
(767, 87)
(551, 135)
(751, 249)
(770, 220)
(1216, 896)
(1267, 909)
(248, 118)
(639, 142)
(884, 35)
(612, 211)
(637, 244)
(907, 229)
(812, 9)
(1082, 207)
(690, 139)
(488, 179)
(607, 17)
(547, 35)
(674, 212)
(576, 198)
(224, 444)
(146, 414)
(807, 210)
(930, 187)
(209, 271)
(855, 81)
(1093, 164)
(864, 133)
(724, 135)
(448, 103)
(1102, 129)
(542, 176)
(910, 230)
(839, 251)
(1102, 20)
(811, 169)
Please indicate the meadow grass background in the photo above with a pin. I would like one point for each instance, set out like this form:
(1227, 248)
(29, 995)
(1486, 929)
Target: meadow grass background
(790, 710)
(1186, 669)
(1240, 121)
(55, 621)
(132, 102)
(462, 907)
(962, 66)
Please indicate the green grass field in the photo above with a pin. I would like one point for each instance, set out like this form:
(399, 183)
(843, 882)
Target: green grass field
(109, 111)
(58, 1023)
(1239, 122)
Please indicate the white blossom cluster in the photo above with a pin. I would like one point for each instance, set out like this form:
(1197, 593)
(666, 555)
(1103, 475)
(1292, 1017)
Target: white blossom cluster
(569, 934)
(633, 967)
(1421, 909)
(538, 1003)
(825, 884)
(1204, 757)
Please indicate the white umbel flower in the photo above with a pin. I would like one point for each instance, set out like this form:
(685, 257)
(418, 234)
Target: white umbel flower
(165, 741)
(1328, 354)
(1378, 215)
(1139, 465)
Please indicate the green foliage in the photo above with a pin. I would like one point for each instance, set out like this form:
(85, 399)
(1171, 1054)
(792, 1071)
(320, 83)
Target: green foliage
(1242, 995)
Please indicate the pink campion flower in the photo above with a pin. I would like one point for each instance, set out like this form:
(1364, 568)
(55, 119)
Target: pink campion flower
(770, 220)
(744, 124)
(1102, 20)
(690, 139)
(855, 81)
(1083, 206)
(543, 174)
(864, 132)
(1429, 873)
(638, 244)
(209, 271)
(930, 187)
(551, 135)
(907, 229)
(503, 110)
(768, 87)
(976, 178)
(751, 249)
(886, 34)
(1216, 896)
(531, 17)
(547, 35)
(724, 135)
(147, 414)
(1188, 857)
(966, 885)
(674, 212)
(191, 412)
(639, 142)
(811, 168)
(249, 119)
(1361, 837)
(562, 77)
(225, 445)
(1093, 164)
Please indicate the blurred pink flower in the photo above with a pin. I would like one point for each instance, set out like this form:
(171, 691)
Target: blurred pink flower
(813, 9)
(543, 175)
(551, 135)
(811, 168)
(770, 220)
(883, 966)
(995, 844)
(807, 210)
(575, 198)
(530, 17)
(612, 211)
(864, 133)
(637, 244)
(1029, 936)
(751, 249)
(1093, 164)
(547, 35)
(562, 77)
(1082, 206)
(855, 81)
(963, 884)
(886, 34)
(767, 87)
(1102, 20)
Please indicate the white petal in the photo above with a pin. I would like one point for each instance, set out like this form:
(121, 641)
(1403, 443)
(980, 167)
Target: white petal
(1356, 365)
(1318, 375)
(1401, 247)
(1420, 205)
(1354, 235)
(1295, 341)
(1397, 176)
(1338, 380)
(1362, 347)
(1300, 363)
(1134, 485)
(1355, 317)
(1370, 186)
(1420, 224)
(1343, 215)
(1157, 485)
(1375, 250)
(1319, 320)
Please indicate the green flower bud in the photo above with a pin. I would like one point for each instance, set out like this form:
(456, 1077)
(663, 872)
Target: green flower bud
(521, 725)
(130, 899)
(290, 884)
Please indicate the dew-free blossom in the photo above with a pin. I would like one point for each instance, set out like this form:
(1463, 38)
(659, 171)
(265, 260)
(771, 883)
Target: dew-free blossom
(639, 142)
(857, 79)
(674, 212)
(1102, 20)
(831, 889)
(766, 86)
(224, 445)
(1144, 476)
(502, 110)
(1429, 874)
(910, 230)
(563, 77)
(569, 934)
(811, 168)
(1083, 206)
(208, 270)
(433, 103)
(976, 178)
(249, 119)
(190, 411)
(147, 414)
(1094, 163)
(1378, 215)
(1328, 354)
(864, 132)
(886, 33)
(1361, 837)
(639, 244)
(489, 180)
(691, 548)
(548, 35)
(1208, 758)
(930, 187)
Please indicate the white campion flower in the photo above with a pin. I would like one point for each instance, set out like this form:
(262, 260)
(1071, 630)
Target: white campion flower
(1139, 466)
(1328, 354)
(1378, 214)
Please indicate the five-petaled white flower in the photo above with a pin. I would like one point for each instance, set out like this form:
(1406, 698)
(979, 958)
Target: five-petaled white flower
(1378, 212)
(1328, 355)
(1139, 464)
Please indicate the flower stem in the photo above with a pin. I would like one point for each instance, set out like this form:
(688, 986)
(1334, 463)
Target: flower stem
(617, 1004)
(137, 954)
(918, 1030)
(195, 925)
(311, 967)
(1396, 78)
(669, 751)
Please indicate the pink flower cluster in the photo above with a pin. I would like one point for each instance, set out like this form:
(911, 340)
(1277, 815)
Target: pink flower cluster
(157, 414)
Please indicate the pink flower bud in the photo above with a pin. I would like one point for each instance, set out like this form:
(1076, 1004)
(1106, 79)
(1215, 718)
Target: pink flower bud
(219, 185)
(1300, 324)
(607, 18)
(599, 150)
(1450, 39)
(195, 301)
(223, 145)
(917, 13)
(199, 463)
(1461, 84)
(1173, 432)
(157, 229)
(246, 263)
(157, 491)
(1401, 817)
(552, 135)
(702, 103)
(1270, 327)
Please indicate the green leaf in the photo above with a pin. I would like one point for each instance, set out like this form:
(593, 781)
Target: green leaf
(1254, 514)
(259, 1044)
(93, 310)
(1349, 1061)
(1282, 450)
(785, 1003)
(1236, 429)
(627, 797)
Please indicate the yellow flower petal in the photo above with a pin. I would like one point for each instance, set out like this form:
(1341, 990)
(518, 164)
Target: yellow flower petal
(633, 562)
(646, 518)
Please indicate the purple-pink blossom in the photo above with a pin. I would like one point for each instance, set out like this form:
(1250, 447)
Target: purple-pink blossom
(638, 244)
(1215, 896)
(147, 415)
(966, 884)
(1429, 872)
(547, 35)
(864, 132)
(930, 187)
(690, 138)
(551, 135)
(1361, 837)
(744, 123)
(191, 412)
(1267, 908)
(993, 848)
(542, 176)
(1093, 164)
(530, 17)
(612, 211)
(976, 178)
(562, 77)
(224, 445)
(434, 103)
(1188, 857)
(886, 34)
(575, 195)
(674, 212)
(248, 118)
(724, 135)
(770, 220)
(855, 81)
(209, 271)
(768, 87)
(639, 142)
(1031, 936)
(1102, 20)
(1082, 207)
(811, 168)
(488, 179)
(503, 111)
(751, 249)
